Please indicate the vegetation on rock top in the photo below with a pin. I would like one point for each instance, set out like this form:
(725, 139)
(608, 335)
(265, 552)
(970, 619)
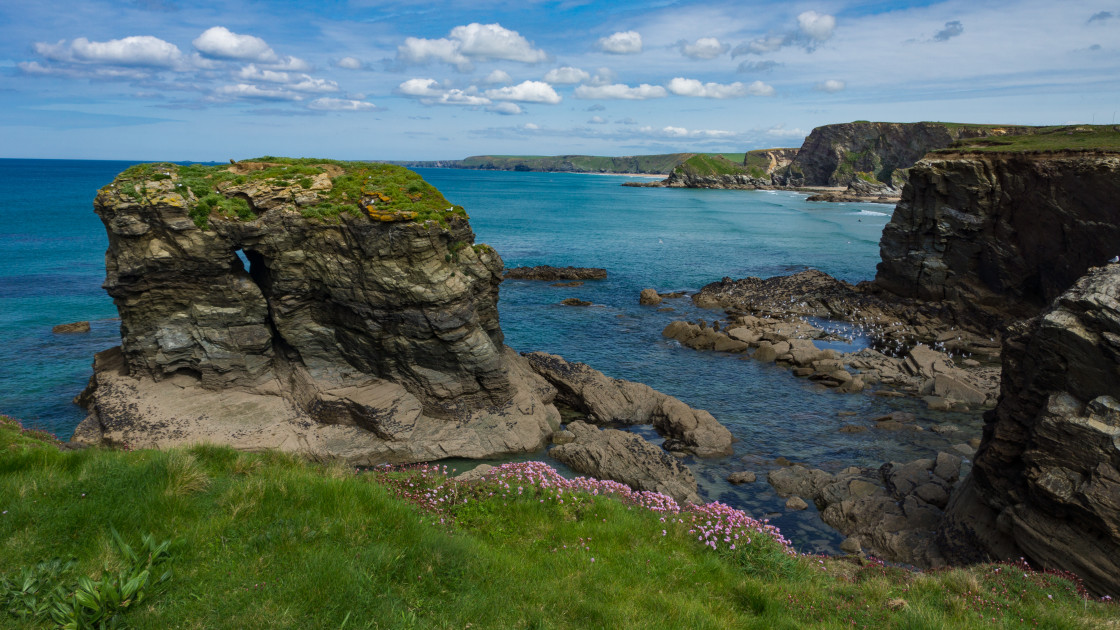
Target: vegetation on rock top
(707, 165)
(317, 188)
(268, 540)
(1057, 138)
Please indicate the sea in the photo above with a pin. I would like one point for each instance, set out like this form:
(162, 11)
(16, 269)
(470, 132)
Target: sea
(52, 248)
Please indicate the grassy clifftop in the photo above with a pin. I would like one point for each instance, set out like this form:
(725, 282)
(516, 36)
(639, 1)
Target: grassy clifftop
(269, 541)
(1103, 138)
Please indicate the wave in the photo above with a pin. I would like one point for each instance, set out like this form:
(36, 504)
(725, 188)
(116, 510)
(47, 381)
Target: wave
(872, 213)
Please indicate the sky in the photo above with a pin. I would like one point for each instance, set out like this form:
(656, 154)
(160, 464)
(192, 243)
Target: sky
(434, 79)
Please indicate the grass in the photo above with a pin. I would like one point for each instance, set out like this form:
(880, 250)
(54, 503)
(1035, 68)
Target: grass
(706, 165)
(660, 164)
(271, 541)
(1103, 138)
(381, 191)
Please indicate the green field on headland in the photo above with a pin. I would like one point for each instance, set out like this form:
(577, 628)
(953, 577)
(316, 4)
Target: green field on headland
(271, 541)
(1044, 140)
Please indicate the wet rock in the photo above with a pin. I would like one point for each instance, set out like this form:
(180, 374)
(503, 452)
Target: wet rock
(76, 327)
(852, 428)
(626, 458)
(798, 480)
(649, 297)
(549, 273)
(574, 302)
(574, 283)
(796, 503)
(608, 400)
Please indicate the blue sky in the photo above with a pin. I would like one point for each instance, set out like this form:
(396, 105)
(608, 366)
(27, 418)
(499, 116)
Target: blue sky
(428, 79)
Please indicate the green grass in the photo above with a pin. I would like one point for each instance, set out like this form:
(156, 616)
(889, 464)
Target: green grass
(663, 163)
(209, 191)
(1104, 138)
(706, 165)
(271, 541)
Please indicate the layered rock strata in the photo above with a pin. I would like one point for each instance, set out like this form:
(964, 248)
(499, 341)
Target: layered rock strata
(1046, 479)
(367, 335)
(1000, 236)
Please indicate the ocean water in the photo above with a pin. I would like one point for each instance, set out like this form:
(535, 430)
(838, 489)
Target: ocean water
(53, 248)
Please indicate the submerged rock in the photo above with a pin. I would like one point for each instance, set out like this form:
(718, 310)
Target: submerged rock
(76, 327)
(549, 273)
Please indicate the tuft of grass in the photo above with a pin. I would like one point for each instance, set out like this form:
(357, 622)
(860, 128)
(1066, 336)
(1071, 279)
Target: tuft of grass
(184, 475)
(273, 541)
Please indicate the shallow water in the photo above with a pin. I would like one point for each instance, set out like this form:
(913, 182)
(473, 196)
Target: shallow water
(669, 239)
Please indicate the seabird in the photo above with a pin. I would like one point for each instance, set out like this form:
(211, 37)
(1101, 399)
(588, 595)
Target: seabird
(1114, 259)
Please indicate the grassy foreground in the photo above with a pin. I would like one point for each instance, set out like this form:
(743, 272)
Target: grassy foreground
(270, 541)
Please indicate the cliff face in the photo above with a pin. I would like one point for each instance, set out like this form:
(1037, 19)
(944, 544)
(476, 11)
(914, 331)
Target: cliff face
(1001, 235)
(366, 334)
(834, 155)
(1046, 480)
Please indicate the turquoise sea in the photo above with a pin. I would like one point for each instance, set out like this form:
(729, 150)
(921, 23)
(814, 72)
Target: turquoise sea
(52, 247)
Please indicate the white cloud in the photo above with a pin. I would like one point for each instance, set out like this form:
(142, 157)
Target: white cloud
(682, 132)
(221, 43)
(138, 50)
(306, 83)
(831, 85)
(691, 87)
(349, 63)
(566, 75)
(780, 131)
(498, 77)
(506, 108)
(603, 76)
(761, 45)
(292, 64)
(252, 73)
(622, 43)
(818, 26)
(621, 91)
(473, 42)
(327, 104)
(245, 90)
(531, 126)
(431, 93)
(597, 120)
(703, 48)
(526, 92)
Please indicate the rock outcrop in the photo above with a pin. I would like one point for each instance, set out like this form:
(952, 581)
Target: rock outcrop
(610, 400)
(549, 273)
(1000, 236)
(1046, 479)
(364, 327)
(836, 155)
(626, 458)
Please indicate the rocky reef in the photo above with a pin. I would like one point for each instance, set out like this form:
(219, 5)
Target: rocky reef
(998, 236)
(1046, 480)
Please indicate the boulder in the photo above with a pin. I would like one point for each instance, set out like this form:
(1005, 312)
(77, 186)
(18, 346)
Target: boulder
(550, 273)
(744, 476)
(610, 400)
(649, 297)
(626, 458)
(798, 480)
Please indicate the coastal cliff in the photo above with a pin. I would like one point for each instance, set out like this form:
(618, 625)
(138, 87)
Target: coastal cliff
(1046, 480)
(1000, 235)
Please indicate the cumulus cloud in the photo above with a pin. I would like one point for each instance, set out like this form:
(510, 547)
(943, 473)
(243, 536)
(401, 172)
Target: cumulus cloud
(298, 82)
(620, 91)
(831, 85)
(221, 43)
(526, 92)
(703, 48)
(622, 43)
(566, 75)
(327, 104)
(349, 63)
(252, 73)
(431, 92)
(817, 26)
(469, 43)
(506, 108)
(305, 83)
(498, 77)
(951, 30)
(603, 76)
(812, 29)
(691, 87)
(138, 50)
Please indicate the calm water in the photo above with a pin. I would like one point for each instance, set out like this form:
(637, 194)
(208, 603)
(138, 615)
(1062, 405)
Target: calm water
(670, 239)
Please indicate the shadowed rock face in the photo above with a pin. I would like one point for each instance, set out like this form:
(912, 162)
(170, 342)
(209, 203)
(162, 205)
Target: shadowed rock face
(1001, 236)
(1046, 479)
(376, 322)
